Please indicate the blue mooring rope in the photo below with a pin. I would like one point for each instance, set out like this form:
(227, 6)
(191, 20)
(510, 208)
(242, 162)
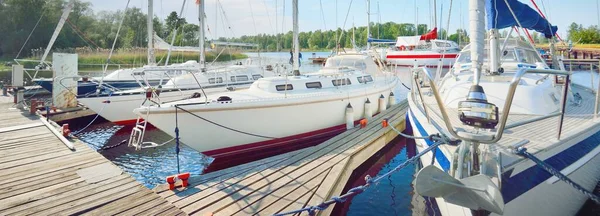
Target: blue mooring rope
(177, 139)
(312, 210)
(521, 151)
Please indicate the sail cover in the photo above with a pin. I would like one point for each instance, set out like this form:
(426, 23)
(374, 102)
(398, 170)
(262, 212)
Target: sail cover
(499, 16)
(380, 41)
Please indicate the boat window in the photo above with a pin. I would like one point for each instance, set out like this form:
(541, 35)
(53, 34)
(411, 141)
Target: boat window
(527, 56)
(313, 85)
(241, 78)
(442, 44)
(256, 76)
(339, 82)
(365, 79)
(341, 62)
(284, 87)
(215, 80)
(232, 78)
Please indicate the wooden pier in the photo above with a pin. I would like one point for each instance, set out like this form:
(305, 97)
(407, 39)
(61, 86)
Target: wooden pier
(318, 60)
(40, 174)
(289, 181)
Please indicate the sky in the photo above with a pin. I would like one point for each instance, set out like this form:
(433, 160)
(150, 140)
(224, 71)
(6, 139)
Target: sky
(251, 17)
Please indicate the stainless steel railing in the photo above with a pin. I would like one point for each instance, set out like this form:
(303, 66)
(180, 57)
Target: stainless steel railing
(508, 101)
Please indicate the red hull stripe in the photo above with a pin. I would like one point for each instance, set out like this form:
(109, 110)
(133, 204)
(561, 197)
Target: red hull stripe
(428, 66)
(234, 149)
(126, 122)
(427, 56)
(235, 155)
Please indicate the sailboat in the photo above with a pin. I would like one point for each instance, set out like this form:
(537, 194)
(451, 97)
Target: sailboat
(187, 80)
(277, 114)
(123, 79)
(501, 133)
(421, 50)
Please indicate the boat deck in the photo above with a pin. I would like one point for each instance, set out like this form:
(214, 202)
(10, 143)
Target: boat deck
(40, 175)
(289, 181)
(540, 134)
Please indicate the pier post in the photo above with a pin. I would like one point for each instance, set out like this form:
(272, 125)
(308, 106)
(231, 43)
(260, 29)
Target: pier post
(64, 72)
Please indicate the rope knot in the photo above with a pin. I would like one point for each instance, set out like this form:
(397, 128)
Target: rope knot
(368, 179)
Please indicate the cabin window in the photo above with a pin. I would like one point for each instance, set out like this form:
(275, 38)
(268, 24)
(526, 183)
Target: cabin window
(232, 78)
(365, 79)
(284, 87)
(215, 80)
(241, 78)
(442, 44)
(339, 82)
(256, 76)
(313, 85)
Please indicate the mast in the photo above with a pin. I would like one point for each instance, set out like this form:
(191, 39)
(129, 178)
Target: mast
(276, 25)
(59, 27)
(477, 32)
(416, 19)
(201, 34)
(296, 66)
(435, 14)
(150, 27)
(368, 24)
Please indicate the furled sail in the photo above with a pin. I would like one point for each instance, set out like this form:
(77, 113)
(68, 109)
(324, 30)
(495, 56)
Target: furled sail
(161, 44)
(499, 16)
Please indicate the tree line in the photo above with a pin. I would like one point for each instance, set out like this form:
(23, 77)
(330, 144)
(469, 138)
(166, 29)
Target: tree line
(97, 30)
(84, 27)
(579, 34)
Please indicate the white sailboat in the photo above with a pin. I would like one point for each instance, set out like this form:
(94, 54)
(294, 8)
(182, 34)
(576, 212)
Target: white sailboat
(519, 123)
(121, 79)
(185, 80)
(277, 114)
(423, 50)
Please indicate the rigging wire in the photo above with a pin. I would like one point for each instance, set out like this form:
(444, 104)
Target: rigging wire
(323, 14)
(268, 14)
(31, 33)
(113, 45)
(345, 20)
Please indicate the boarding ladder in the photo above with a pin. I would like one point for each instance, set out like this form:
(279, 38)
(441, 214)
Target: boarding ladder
(136, 138)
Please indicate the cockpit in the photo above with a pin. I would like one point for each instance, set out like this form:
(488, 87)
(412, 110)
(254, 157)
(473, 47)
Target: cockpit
(515, 52)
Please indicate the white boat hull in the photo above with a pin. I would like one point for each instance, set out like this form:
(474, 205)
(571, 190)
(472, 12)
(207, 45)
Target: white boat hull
(265, 124)
(527, 189)
(119, 108)
(420, 58)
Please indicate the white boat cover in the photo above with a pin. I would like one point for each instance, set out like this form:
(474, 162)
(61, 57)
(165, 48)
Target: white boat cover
(408, 41)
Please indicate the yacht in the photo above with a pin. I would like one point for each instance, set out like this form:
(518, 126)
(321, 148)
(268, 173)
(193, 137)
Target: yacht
(277, 114)
(501, 133)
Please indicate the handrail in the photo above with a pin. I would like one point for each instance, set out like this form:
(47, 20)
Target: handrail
(507, 104)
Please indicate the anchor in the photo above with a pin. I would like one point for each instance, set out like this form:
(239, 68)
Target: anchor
(474, 192)
(466, 184)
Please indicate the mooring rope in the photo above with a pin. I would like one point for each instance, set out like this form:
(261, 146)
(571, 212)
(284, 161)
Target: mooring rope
(220, 125)
(97, 114)
(312, 210)
(521, 151)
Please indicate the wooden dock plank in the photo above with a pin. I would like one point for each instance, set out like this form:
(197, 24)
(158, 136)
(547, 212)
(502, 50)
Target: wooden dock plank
(41, 176)
(291, 194)
(197, 202)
